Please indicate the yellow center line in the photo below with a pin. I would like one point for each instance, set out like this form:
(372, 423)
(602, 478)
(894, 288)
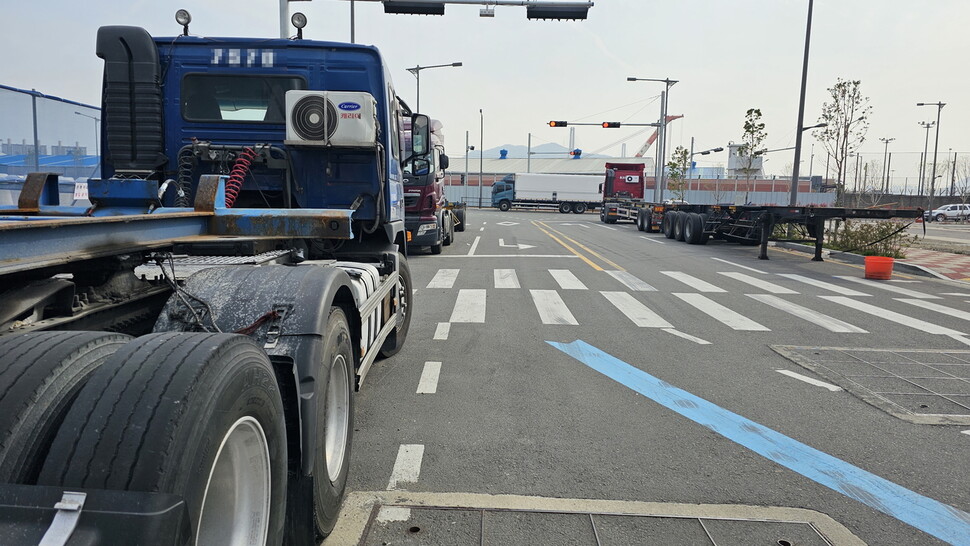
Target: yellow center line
(580, 245)
(567, 247)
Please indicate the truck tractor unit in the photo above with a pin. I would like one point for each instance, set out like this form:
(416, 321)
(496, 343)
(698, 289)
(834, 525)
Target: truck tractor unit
(566, 193)
(179, 360)
(427, 217)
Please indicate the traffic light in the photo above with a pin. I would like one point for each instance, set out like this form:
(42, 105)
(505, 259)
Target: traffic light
(414, 8)
(557, 124)
(611, 124)
(572, 11)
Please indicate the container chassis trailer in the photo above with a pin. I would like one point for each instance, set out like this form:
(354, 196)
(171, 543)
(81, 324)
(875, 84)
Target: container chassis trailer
(748, 225)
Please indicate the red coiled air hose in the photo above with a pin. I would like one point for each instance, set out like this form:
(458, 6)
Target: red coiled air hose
(238, 174)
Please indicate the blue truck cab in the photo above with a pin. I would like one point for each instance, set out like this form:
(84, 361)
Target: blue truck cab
(208, 319)
(503, 191)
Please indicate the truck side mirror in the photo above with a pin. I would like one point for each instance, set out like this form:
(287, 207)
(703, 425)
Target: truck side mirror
(443, 160)
(420, 134)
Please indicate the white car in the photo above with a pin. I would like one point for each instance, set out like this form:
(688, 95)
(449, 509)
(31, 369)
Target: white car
(956, 211)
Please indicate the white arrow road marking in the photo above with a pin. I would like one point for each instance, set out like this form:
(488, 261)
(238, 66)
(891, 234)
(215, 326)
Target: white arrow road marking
(520, 246)
(810, 381)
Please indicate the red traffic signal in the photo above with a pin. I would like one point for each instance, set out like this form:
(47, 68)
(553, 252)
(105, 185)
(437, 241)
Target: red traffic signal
(611, 124)
(557, 124)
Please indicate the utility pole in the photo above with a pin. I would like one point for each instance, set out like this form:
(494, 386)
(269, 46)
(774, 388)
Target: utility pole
(926, 143)
(885, 154)
(936, 146)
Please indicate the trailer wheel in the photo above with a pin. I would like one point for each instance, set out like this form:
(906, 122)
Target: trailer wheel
(705, 236)
(579, 208)
(504, 206)
(668, 222)
(679, 226)
(460, 214)
(693, 228)
(565, 208)
(395, 340)
(640, 226)
(41, 373)
(193, 414)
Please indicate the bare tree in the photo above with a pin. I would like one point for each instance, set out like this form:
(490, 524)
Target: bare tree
(677, 170)
(847, 121)
(750, 148)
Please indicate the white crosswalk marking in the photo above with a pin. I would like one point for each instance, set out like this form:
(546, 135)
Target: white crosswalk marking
(890, 287)
(688, 337)
(444, 278)
(552, 310)
(824, 285)
(741, 266)
(630, 281)
(829, 323)
(639, 313)
(470, 306)
(566, 279)
(721, 313)
(693, 282)
(506, 278)
(893, 316)
(758, 283)
(937, 308)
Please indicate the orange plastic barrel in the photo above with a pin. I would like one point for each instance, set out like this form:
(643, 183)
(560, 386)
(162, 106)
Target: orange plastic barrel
(879, 267)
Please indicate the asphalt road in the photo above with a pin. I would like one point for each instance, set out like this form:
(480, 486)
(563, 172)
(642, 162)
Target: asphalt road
(553, 356)
(948, 232)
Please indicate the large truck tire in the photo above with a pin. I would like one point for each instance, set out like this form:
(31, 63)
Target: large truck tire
(679, 225)
(565, 208)
(335, 426)
(640, 221)
(693, 228)
(504, 206)
(41, 374)
(579, 208)
(449, 235)
(668, 223)
(460, 215)
(395, 340)
(194, 414)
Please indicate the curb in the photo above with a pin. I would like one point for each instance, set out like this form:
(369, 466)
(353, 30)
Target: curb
(900, 266)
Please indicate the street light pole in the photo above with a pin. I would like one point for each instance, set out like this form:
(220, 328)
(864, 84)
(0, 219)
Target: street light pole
(793, 198)
(96, 121)
(885, 154)
(936, 145)
(926, 143)
(416, 70)
(481, 153)
(662, 133)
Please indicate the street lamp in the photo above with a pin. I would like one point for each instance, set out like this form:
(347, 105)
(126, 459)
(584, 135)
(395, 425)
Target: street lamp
(464, 191)
(481, 153)
(885, 154)
(936, 145)
(417, 74)
(96, 121)
(662, 147)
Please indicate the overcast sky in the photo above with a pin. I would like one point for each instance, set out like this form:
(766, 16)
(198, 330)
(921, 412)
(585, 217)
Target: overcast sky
(728, 55)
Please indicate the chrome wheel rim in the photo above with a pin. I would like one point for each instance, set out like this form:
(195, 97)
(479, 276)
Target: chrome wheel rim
(338, 416)
(236, 503)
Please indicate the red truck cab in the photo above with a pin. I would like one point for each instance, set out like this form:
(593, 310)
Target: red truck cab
(426, 219)
(624, 180)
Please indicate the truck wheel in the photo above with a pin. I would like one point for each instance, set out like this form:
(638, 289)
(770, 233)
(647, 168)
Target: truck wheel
(335, 426)
(460, 214)
(193, 414)
(504, 206)
(579, 208)
(679, 226)
(40, 376)
(650, 226)
(693, 228)
(449, 236)
(668, 222)
(640, 226)
(395, 340)
(565, 208)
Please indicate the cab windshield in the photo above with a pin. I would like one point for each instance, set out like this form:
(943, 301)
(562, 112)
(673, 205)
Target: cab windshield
(418, 172)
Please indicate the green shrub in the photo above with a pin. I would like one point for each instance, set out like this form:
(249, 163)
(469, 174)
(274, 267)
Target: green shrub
(869, 238)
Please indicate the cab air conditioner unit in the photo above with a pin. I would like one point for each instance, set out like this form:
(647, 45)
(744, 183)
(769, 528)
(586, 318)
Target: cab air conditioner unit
(331, 119)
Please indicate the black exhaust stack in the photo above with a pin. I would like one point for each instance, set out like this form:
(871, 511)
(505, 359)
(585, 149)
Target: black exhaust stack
(131, 101)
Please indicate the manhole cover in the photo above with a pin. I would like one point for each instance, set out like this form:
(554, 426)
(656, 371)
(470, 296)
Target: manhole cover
(923, 386)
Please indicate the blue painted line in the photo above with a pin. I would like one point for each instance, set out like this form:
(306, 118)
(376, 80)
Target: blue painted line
(933, 517)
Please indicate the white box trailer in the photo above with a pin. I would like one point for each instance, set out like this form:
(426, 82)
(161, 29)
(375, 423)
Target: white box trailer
(575, 193)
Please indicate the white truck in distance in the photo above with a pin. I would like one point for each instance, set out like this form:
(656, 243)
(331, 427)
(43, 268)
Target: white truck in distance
(575, 193)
